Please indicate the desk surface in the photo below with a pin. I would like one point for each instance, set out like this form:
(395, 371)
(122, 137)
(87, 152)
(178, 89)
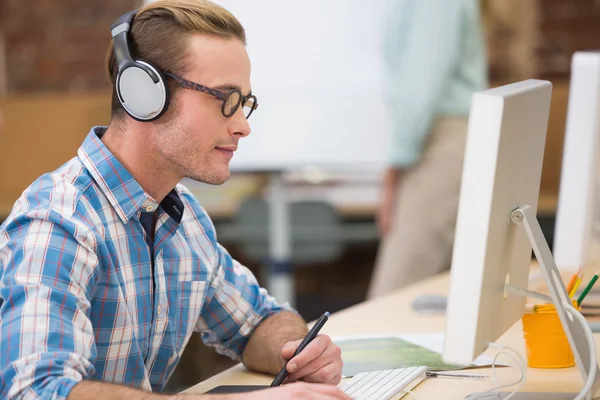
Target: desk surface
(547, 206)
(393, 314)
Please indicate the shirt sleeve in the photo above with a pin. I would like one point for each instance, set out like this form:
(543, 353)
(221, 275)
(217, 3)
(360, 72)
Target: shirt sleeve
(47, 275)
(421, 49)
(234, 307)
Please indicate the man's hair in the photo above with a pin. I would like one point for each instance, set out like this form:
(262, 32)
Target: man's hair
(160, 33)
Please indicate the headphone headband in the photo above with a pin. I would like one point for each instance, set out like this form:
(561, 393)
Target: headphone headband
(139, 84)
(120, 33)
(126, 18)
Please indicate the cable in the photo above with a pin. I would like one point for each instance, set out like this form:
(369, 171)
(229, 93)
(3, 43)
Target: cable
(510, 289)
(585, 391)
(495, 391)
(411, 393)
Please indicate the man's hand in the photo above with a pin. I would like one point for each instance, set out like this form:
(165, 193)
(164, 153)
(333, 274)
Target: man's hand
(296, 391)
(389, 193)
(385, 213)
(320, 361)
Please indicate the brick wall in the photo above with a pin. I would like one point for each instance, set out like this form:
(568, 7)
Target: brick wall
(565, 26)
(537, 38)
(511, 31)
(58, 45)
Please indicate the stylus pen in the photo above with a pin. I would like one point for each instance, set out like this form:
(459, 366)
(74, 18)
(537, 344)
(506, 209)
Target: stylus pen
(307, 339)
(434, 374)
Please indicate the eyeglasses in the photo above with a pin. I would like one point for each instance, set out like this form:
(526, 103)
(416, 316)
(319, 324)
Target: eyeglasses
(231, 100)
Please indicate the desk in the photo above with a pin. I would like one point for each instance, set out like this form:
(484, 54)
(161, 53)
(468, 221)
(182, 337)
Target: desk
(547, 205)
(221, 210)
(392, 314)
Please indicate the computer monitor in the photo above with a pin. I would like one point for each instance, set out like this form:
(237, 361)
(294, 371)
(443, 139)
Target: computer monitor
(577, 233)
(497, 226)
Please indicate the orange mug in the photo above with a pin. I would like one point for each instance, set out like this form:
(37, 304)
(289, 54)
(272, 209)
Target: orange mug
(545, 339)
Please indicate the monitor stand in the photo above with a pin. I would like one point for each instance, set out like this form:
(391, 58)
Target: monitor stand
(558, 296)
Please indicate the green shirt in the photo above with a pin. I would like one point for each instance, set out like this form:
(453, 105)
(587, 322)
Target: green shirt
(435, 59)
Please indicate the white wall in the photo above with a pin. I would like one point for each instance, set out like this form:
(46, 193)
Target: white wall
(317, 73)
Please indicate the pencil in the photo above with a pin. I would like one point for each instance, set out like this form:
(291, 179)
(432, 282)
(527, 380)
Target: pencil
(588, 288)
(575, 287)
(572, 281)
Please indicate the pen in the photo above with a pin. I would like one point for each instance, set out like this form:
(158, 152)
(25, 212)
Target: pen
(307, 339)
(433, 374)
(587, 288)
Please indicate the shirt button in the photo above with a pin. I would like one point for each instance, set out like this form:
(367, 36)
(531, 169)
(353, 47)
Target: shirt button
(149, 208)
(159, 310)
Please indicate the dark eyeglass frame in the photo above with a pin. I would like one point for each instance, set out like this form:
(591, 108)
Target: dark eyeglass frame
(224, 97)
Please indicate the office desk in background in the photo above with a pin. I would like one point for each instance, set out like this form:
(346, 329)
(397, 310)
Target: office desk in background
(393, 314)
(353, 197)
(353, 201)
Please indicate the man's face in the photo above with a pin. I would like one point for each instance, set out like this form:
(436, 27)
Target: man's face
(195, 137)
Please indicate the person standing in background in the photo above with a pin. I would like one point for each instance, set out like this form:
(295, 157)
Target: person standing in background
(435, 59)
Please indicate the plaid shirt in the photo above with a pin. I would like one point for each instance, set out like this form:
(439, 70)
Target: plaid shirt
(79, 299)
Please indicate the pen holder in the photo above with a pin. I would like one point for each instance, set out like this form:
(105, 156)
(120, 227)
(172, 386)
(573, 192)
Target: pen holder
(545, 339)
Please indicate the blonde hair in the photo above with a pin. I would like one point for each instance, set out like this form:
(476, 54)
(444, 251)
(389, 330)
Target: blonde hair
(160, 32)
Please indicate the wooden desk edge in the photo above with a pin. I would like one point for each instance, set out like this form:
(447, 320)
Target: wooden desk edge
(539, 380)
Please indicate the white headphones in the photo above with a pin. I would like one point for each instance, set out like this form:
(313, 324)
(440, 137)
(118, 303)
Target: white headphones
(140, 86)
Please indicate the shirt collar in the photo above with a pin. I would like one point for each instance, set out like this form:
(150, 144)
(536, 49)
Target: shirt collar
(120, 188)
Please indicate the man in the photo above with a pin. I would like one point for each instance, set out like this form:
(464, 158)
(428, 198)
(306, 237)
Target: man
(435, 60)
(107, 265)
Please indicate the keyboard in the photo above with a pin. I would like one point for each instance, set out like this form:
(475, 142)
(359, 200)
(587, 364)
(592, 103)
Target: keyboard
(391, 384)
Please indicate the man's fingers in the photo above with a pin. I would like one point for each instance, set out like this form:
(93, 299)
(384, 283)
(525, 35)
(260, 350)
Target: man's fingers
(320, 391)
(336, 379)
(331, 354)
(383, 221)
(288, 349)
(309, 369)
(312, 351)
(326, 374)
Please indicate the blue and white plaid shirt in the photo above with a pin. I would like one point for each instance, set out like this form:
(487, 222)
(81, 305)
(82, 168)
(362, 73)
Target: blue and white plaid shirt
(78, 299)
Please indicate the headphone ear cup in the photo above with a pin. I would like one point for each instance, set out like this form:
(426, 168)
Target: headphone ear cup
(142, 97)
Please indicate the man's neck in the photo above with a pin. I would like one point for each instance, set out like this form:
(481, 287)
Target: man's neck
(142, 161)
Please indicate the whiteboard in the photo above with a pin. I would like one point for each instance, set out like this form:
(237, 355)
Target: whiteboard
(317, 71)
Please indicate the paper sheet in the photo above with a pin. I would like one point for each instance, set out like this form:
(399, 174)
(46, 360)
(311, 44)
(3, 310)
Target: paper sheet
(378, 352)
